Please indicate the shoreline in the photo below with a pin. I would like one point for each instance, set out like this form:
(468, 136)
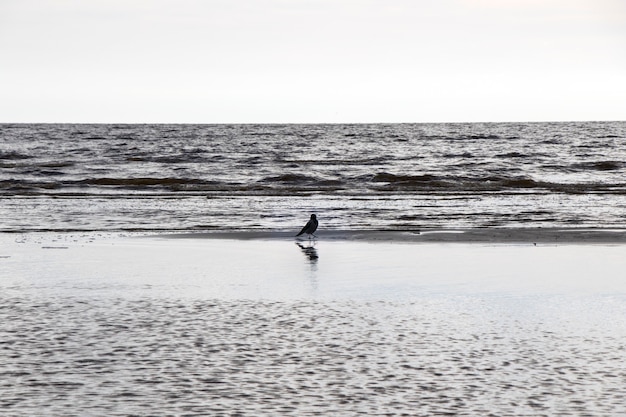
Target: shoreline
(553, 236)
(453, 235)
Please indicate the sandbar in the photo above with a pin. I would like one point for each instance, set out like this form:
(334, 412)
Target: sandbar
(460, 235)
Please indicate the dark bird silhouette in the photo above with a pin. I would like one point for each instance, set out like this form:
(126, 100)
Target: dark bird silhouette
(309, 251)
(310, 227)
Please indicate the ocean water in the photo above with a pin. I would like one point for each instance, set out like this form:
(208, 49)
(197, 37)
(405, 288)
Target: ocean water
(79, 177)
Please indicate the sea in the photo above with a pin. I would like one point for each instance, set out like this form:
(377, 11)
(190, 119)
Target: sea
(159, 177)
(104, 312)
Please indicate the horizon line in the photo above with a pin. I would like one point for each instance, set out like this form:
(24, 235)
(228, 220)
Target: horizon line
(315, 123)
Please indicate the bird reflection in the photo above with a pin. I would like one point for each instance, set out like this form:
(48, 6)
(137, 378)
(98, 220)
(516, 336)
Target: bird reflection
(309, 251)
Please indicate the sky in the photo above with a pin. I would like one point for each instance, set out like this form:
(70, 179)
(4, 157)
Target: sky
(312, 61)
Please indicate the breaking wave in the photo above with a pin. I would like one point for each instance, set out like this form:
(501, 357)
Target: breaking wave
(380, 183)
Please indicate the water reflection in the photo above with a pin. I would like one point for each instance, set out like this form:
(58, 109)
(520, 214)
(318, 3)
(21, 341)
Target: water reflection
(312, 256)
(309, 251)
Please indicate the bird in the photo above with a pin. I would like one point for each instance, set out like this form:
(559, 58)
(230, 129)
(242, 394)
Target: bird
(310, 227)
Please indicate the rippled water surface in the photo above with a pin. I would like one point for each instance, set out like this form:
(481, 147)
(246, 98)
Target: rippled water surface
(214, 357)
(398, 176)
(92, 326)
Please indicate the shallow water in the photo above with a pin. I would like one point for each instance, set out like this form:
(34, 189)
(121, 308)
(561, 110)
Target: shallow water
(117, 357)
(94, 326)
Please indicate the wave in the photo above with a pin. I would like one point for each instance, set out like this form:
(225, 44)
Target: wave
(452, 183)
(482, 136)
(144, 182)
(168, 159)
(342, 162)
(464, 155)
(302, 180)
(423, 183)
(514, 155)
(27, 187)
(292, 184)
(13, 156)
(598, 166)
(404, 179)
(290, 178)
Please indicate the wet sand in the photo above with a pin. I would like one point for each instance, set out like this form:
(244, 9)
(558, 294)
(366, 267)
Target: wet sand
(355, 323)
(478, 235)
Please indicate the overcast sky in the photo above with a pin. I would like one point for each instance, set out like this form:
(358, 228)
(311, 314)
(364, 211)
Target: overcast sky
(223, 61)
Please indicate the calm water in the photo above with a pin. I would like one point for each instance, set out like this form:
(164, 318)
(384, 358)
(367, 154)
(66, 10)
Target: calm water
(399, 176)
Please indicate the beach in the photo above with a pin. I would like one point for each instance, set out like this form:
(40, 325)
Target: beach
(460, 269)
(430, 322)
(461, 164)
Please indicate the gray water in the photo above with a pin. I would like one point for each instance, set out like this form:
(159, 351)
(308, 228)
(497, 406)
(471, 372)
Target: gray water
(93, 326)
(242, 177)
(119, 357)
